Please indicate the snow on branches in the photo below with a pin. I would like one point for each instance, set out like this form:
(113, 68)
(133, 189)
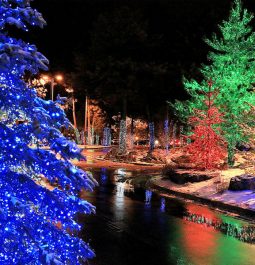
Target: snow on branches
(39, 188)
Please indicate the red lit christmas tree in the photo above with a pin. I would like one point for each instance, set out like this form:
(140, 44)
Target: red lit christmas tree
(207, 147)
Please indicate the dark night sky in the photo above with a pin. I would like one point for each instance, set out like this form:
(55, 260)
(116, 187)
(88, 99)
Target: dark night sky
(70, 22)
(182, 24)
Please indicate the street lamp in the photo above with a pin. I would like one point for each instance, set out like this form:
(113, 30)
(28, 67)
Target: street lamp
(51, 79)
(59, 78)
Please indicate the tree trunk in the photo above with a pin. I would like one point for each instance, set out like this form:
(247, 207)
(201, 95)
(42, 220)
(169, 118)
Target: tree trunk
(89, 124)
(74, 114)
(132, 134)
(123, 128)
(152, 136)
(151, 130)
(231, 144)
(93, 130)
(174, 134)
(86, 120)
(166, 131)
(231, 158)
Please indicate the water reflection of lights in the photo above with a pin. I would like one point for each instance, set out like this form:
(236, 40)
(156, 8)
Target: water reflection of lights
(129, 223)
(242, 233)
(119, 202)
(148, 195)
(103, 176)
(162, 204)
(121, 187)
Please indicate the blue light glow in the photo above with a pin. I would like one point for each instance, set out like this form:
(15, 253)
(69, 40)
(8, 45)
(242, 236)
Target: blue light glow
(38, 187)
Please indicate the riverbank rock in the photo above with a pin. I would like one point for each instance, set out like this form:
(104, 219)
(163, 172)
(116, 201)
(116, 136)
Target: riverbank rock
(242, 182)
(174, 176)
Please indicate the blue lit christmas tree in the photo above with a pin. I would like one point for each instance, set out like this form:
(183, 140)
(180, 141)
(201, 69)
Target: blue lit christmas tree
(38, 188)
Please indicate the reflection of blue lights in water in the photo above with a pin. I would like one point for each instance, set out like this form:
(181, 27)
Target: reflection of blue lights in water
(148, 195)
(162, 205)
(103, 176)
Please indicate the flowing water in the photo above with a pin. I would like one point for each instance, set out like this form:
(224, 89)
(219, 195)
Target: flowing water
(134, 226)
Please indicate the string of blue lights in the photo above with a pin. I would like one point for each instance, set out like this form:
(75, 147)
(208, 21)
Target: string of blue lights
(39, 188)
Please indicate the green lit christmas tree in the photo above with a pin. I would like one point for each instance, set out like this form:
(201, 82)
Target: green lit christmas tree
(232, 67)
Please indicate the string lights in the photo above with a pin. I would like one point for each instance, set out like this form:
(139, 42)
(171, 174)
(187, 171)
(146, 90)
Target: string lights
(166, 131)
(107, 136)
(152, 136)
(122, 137)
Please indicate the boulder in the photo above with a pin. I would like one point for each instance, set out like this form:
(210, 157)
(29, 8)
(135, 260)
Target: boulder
(183, 178)
(242, 182)
(187, 177)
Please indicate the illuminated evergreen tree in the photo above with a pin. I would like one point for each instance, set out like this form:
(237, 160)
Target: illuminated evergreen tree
(232, 67)
(207, 147)
(38, 188)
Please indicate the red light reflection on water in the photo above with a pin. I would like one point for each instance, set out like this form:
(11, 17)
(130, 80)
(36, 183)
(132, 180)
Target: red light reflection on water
(199, 240)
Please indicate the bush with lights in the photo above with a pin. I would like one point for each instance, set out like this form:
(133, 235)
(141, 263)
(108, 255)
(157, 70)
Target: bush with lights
(38, 188)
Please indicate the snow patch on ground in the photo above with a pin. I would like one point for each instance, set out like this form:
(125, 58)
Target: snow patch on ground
(211, 189)
(244, 199)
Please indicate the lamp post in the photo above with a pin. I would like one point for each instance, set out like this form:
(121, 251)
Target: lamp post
(51, 80)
